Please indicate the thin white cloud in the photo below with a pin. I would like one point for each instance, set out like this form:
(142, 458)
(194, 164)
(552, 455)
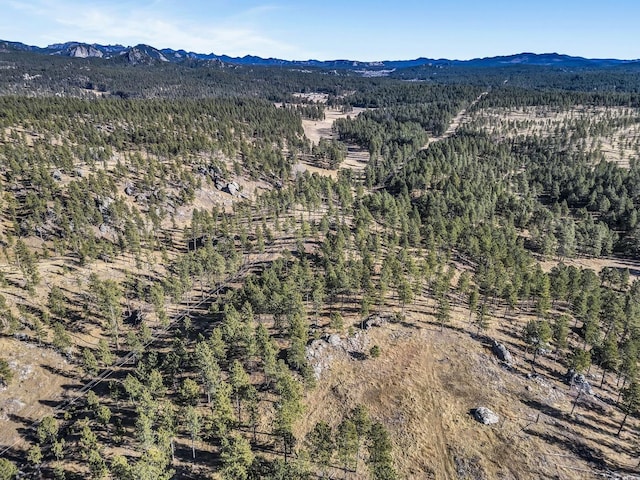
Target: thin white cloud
(126, 23)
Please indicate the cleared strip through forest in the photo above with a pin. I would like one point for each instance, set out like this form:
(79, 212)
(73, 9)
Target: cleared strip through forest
(65, 403)
(455, 122)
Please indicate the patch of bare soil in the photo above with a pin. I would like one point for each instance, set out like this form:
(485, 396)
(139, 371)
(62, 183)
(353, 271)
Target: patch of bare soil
(40, 375)
(317, 129)
(209, 196)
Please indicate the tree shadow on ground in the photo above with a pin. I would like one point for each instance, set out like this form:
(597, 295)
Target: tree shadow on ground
(560, 415)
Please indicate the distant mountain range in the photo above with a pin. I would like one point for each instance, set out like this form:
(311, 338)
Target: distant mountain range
(146, 54)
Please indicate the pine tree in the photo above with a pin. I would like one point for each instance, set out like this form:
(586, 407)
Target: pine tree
(321, 446)
(630, 402)
(61, 339)
(473, 301)
(89, 362)
(360, 418)
(222, 409)
(537, 334)
(482, 318)
(580, 360)
(47, 431)
(8, 470)
(6, 374)
(610, 356)
(208, 367)
(240, 385)
(379, 447)
(560, 332)
(34, 456)
(193, 422)
(347, 444)
(189, 392)
(443, 314)
(236, 456)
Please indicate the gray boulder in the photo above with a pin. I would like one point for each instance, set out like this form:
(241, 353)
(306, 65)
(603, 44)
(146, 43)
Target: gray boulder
(500, 351)
(485, 416)
(375, 321)
(104, 203)
(105, 229)
(233, 188)
(579, 381)
(319, 356)
(334, 340)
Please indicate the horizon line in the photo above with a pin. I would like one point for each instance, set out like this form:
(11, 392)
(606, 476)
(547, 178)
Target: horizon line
(330, 59)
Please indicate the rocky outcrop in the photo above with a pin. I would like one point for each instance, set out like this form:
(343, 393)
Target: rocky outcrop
(485, 416)
(84, 51)
(232, 188)
(103, 204)
(578, 380)
(77, 50)
(500, 351)
(323, 352)
(375, 321)
(143, 55)
(319, 356)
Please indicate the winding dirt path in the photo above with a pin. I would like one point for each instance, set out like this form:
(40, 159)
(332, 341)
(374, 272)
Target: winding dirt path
(455, 123)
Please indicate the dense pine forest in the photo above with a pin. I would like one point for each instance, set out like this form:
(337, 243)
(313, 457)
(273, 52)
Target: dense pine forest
(192, 285)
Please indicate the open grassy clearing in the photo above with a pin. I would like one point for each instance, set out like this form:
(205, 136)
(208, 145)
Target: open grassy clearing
(357, 157)
(614, 132)
(427, 380)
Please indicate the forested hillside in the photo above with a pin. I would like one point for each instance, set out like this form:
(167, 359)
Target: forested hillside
(190, 287)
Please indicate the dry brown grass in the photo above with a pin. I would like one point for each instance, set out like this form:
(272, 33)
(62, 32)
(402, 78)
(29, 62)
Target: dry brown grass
(595, 264)
(619, 144)
(40, 374)
(357, 157)
(425, 383)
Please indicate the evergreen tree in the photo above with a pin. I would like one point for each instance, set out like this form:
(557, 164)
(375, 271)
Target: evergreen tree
(321, 446)
(537, 334)
(347, 444)
(8, 470)
(379, 447)
(193, 422)
(610, 360)
(630, 402)
(560, 332)
(236, 456)
(443, 314)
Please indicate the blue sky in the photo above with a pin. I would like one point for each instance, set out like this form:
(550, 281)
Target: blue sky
(332, 29)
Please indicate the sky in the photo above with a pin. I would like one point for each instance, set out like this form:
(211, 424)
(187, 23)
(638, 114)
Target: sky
(336, 29)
